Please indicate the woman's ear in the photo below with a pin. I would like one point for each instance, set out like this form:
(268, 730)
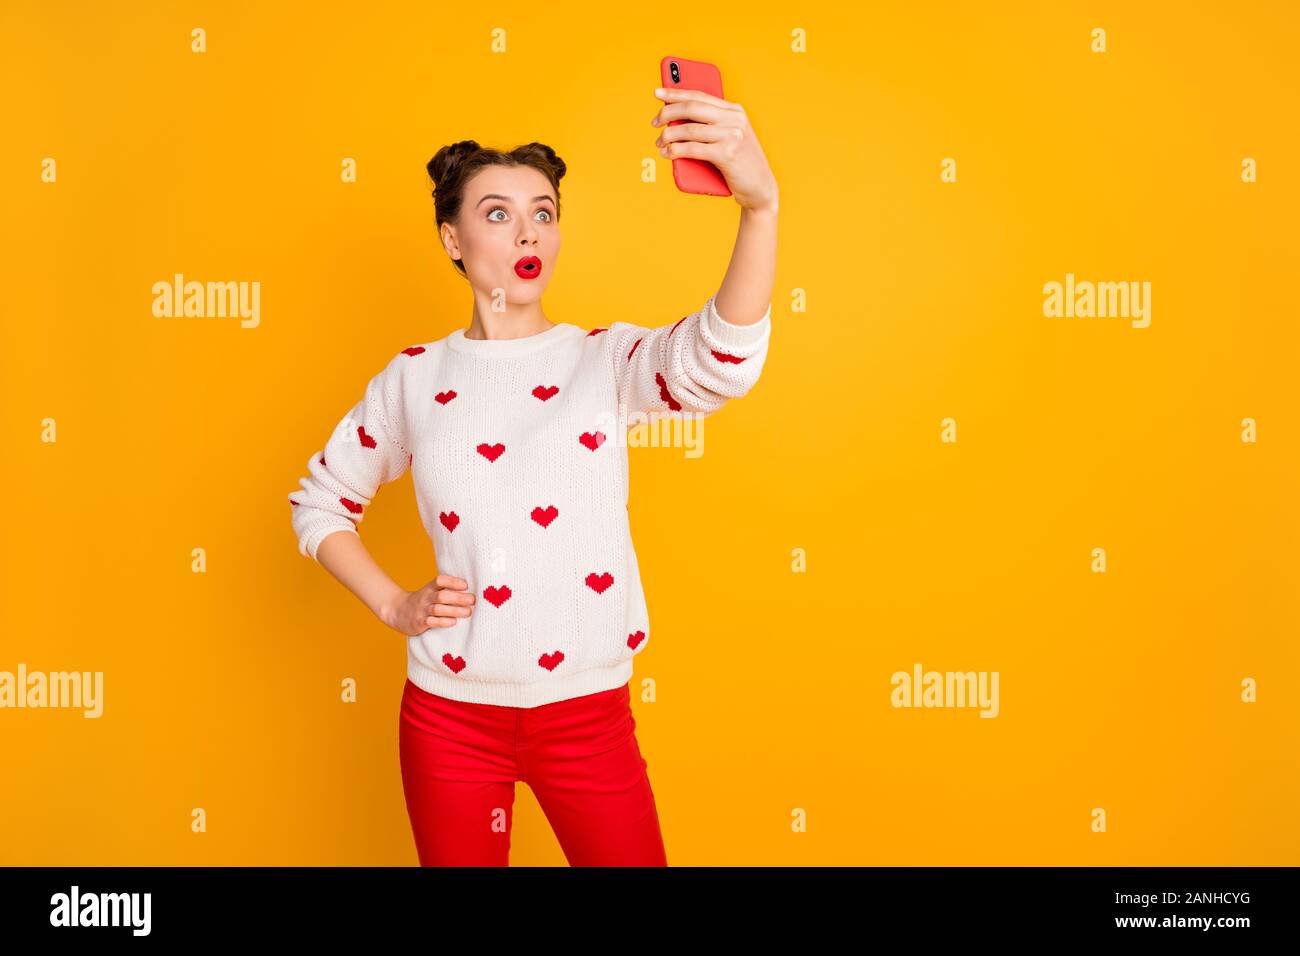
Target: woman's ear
(449, 242)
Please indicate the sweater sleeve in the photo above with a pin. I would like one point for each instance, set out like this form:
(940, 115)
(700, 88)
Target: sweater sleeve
(367, 448)
(694, 365)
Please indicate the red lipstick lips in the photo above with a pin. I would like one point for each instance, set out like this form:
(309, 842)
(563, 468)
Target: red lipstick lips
(529, 267)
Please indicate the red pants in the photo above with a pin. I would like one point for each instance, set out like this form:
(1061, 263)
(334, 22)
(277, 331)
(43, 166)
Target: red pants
(579, 756)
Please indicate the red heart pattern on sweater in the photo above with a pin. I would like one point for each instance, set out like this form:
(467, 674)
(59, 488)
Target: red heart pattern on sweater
(600, 582)
(726, 357)
(456, 664)
(544, 516)
(551, 660)
(663, 393)
(449, 519)
(413, 350)
(546, 391)
(491, 452)
(351, 505)
(592, 440)
(366, 440)
(497, 595)
(442, 398)
(635, 638)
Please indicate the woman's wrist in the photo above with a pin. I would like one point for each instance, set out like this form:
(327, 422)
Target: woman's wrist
(762, 210)
(388, 604)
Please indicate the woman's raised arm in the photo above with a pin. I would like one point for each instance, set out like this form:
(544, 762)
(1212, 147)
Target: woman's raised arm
(719, 132)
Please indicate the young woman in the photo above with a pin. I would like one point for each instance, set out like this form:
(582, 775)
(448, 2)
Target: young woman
(520, 654)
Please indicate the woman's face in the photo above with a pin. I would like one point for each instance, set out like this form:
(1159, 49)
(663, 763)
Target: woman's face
(507, 235)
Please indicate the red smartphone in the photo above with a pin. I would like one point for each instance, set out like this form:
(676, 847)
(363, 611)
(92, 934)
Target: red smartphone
(697, 176)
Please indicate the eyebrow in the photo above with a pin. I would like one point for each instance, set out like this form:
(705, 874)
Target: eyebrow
(507, 199)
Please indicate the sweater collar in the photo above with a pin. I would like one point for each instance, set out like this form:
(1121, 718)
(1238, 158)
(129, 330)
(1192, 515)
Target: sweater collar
(490, 348)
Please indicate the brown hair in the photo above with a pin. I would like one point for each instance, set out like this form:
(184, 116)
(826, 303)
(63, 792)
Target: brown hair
(453, 166)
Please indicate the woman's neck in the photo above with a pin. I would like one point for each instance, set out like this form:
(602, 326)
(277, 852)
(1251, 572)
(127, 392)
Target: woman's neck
(517, 321)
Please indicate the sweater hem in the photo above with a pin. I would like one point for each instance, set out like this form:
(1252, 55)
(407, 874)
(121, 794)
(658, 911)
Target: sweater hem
(590, 681)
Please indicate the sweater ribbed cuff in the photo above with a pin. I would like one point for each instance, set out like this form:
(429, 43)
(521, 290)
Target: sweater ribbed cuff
(312, 539)
(732, 336)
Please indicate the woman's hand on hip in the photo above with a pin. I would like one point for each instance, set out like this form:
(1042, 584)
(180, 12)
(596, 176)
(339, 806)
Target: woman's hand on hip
(717, 131)
(441, 603)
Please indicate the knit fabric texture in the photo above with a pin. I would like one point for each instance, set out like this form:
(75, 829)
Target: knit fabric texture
(518, 455)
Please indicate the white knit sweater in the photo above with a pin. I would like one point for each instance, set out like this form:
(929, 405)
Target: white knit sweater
(518, 453)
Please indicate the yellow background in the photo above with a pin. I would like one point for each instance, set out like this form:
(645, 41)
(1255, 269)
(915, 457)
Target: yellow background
(924, 302)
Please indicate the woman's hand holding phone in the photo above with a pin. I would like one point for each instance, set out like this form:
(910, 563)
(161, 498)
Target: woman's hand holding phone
(717, 131)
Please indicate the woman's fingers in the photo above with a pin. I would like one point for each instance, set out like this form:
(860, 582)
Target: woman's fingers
(452, 601)
(700, 110)
(721, 147)
(721, 134)
(444, 615)
(677, 95)
(454, 597)
(447, 611)
(699, 132)
(716, 135)
(451, 607)
(708, 151)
